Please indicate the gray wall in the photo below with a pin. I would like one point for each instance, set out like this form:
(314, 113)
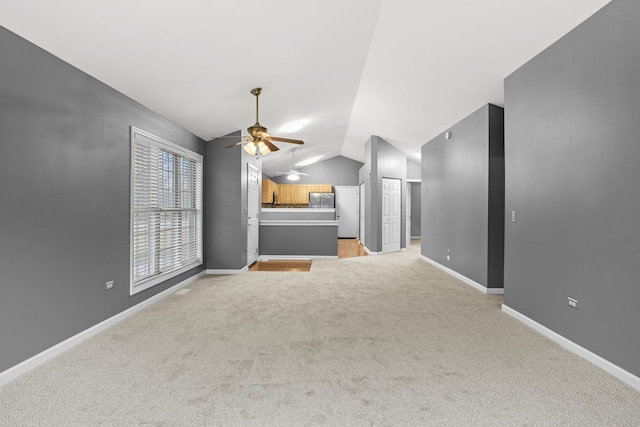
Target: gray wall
(288, 214)
(64, 174)
(572, 153)
(364, 176)
(226, 202)
(414, 171)
(335, 171)
(416, 208)
(382, 160)
(456, 202)
(321, 240)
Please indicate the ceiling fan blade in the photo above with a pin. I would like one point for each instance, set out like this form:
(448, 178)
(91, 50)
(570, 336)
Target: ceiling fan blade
(302, 173)
(291, 141)
(233, 145)
(269, 144)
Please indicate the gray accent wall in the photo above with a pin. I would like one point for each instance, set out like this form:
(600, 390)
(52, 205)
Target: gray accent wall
(226, 204)
(299, 240)
(64, 187)
(572, 174)
(416, 208)
(414, 171)
(382, 160)
(463, 197)
(337, 170)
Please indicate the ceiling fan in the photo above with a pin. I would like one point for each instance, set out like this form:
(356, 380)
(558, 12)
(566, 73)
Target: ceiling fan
(293, 174)
(259, 139)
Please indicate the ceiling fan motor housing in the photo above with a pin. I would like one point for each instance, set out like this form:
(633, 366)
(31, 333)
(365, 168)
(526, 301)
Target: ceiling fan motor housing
(256, 129)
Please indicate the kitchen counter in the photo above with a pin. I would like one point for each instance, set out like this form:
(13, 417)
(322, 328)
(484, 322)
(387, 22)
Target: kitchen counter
(298, 214)
(298, 233)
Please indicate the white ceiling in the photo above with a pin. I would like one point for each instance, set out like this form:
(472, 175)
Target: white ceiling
(401, 69)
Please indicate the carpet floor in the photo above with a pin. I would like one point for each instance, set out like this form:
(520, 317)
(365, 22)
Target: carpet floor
(377, 340)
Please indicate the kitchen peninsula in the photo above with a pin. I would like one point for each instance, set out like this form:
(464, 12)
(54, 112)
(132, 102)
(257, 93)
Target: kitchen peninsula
(298, 233)
(290, 229)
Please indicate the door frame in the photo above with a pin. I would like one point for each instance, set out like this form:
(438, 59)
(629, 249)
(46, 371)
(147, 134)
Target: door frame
(362, 219)
(258, 201)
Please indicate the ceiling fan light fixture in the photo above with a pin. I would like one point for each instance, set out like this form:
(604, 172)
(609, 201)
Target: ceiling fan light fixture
(293, 177)
(250, 148)
(263, 148)
(293, 126)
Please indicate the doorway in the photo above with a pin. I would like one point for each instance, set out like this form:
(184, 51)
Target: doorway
(253, 210)
(347, 210)
(408, 210)
(391, 196)
(362, 213)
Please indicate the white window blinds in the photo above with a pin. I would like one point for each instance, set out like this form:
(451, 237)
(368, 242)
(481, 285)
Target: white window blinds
(166, 210)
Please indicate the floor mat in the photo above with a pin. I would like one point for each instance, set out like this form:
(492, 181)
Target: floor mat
(282, 265)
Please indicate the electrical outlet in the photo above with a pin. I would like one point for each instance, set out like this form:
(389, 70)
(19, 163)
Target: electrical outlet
(573, 303)
(109, 285)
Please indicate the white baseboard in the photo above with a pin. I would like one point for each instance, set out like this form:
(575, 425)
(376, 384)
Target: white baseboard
(224, 271)
(624, 376)
(297, 257)
(478, 286)
(65, 345)
(370, 252)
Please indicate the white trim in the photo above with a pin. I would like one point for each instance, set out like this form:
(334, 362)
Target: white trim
(162, 144)
(478, 286)
(370, 252)
(299, 210)
(624, 376)
(296, 257)
(412, 180)
(48, 354)
(298, 223)
(226, 271)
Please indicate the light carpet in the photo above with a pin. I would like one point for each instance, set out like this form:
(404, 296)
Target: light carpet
(379, 340)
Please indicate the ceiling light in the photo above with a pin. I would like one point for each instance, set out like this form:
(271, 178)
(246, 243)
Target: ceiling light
(293, 177)
(309, 161)
(264, 149)
(293, 126)
(250, 148)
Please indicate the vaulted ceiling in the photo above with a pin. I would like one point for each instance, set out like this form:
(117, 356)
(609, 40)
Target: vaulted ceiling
(401, 69)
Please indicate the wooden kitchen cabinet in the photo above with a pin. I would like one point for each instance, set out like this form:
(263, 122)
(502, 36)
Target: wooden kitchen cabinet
(291, 194)
(301, 194)
(320, 188)
(287, 194)
(268, 188)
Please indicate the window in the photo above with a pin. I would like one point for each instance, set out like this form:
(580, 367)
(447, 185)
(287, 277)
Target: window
(166, 210)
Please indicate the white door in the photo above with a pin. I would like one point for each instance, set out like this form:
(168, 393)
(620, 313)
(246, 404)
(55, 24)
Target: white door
(347, 211)
(253, 209)
(408, 209)
(391, 214)
(362, 210)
